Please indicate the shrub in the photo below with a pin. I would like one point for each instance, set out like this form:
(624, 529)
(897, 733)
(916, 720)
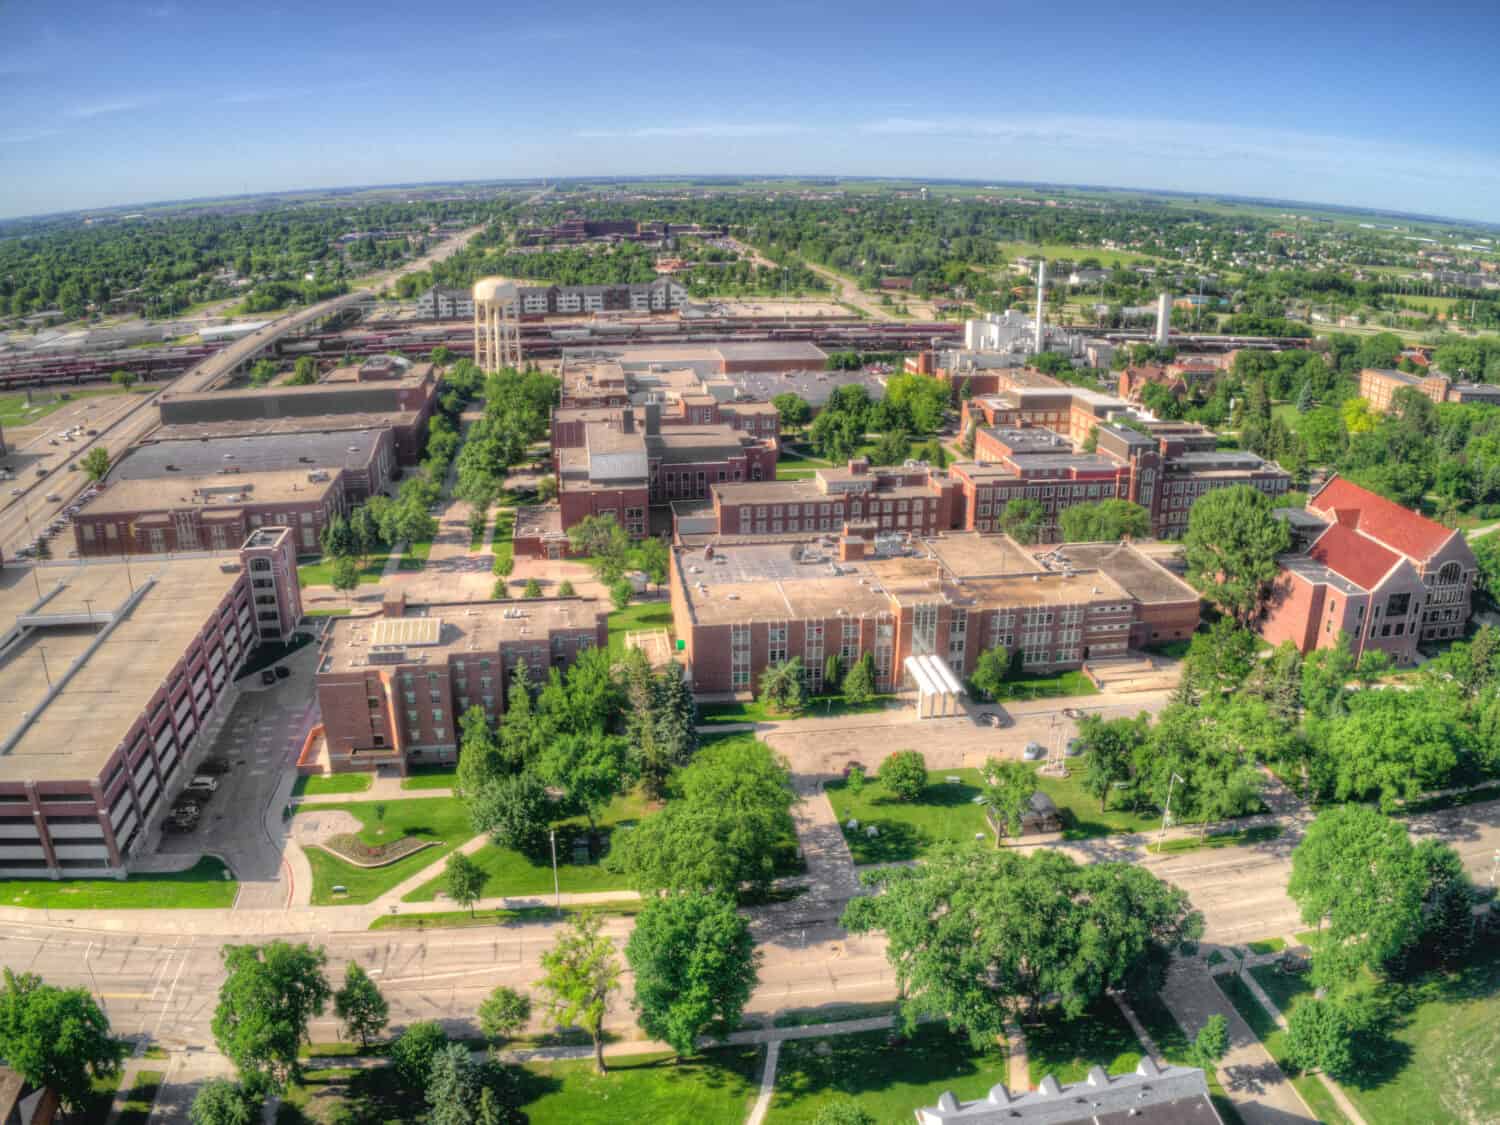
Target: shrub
(904, 773)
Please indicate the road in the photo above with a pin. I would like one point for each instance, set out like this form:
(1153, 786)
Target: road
(24, 516)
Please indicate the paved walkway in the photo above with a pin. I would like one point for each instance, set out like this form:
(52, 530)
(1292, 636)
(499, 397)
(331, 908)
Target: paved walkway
(1250, 1077)
(1333, 1088)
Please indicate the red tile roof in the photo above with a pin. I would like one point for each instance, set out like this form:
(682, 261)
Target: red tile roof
(1388, 523)
(1345, 551)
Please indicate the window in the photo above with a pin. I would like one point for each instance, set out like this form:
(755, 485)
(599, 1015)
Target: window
(1397, 605)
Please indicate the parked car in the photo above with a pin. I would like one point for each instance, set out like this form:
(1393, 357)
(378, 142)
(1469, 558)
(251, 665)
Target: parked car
(282, 672)
(267, 676)
(1034, 752)
(202, 784)
(1072, 713)
(214, 767)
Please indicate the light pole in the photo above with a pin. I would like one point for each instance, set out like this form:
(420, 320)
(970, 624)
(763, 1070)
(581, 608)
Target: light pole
(1495, 870)
(556, 890)
(1166, 813)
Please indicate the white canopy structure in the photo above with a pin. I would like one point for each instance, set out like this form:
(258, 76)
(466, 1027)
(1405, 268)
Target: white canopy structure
(938, 688)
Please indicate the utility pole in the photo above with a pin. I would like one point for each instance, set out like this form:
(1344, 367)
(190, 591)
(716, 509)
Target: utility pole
(1166, 814)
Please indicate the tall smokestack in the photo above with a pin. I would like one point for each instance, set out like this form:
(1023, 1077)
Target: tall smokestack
(1163, 320)
(1041, 293)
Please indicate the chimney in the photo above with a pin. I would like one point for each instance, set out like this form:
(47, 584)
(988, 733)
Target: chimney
(1163, 319)
(851, 549)
(859, 466)
(1040, 343)
(394, 605)
(627, 420)
(653, 418)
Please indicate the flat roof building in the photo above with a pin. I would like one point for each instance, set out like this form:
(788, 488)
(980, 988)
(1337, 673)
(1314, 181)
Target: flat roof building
(210, 494)
(110, 672)
(740, 606)
(392, 688)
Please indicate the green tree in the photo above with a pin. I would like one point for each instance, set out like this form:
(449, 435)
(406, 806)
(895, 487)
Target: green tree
(604, 542)
(1394, 744)
(95, 463)
(620, 592)
(337, 539)
(345, 578)
(1231, 546)
(565, 589)
(792, 410)
(533, 589)
(965, 936)
(479, 758)
(359, 1005)
(580, 975)
(126, 379)
(1319, 1037)
(222, 1102)
(833, 672)
(304, 372)
(1110, 747)
(1220, 660)
(56, 1037)
(503, 1013)
(844, 1110)
(990, 672)
(1211, 1043)
(652, 557)
(414, 1050)
(904, 773)
(695, 966)
(463, 881)
(1106, 521)
(456, 1089)
(781, 686)
(859, 683)
(515, 811)
(1007, 793)
(1356, 873)
(591, 768)
(269, 996)
(1022, 520)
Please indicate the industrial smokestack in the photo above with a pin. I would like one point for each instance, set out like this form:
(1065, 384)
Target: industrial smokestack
(1163, 319)
(1041, 293)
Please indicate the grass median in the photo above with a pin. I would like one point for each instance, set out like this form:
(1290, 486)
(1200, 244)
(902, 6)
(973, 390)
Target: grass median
(207, 885)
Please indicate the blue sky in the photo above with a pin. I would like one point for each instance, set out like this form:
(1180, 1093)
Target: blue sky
(1370, 103)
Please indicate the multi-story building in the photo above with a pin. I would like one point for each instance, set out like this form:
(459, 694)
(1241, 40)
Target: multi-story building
(914, 501)
(393, 688)
(1164, 470)
(759, 420)
(197, 495)
(665, 294)
(1381, 573)
(623, 468)
(381, 392)
(1378, 386)
(740, 607)
(112, 671)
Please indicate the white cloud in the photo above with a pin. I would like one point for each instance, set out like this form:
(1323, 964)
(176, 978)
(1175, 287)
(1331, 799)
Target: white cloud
(26, 136)
(712, 129)
(99, 109)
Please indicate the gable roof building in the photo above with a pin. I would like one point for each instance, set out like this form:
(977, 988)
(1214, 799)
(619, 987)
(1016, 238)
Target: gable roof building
(1150, 1095)
(1385, 575)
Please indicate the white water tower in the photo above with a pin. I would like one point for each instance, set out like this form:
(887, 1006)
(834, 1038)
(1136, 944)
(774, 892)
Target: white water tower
(497, 324)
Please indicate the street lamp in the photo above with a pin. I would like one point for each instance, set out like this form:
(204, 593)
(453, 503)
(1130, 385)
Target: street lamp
(1166, 813)
(556, 890)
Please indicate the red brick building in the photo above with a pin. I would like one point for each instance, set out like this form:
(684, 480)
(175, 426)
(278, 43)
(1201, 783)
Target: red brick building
(1378, 386)
(393, 688)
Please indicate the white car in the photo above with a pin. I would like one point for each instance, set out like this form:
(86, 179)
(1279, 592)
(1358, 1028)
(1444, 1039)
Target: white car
(202, 784)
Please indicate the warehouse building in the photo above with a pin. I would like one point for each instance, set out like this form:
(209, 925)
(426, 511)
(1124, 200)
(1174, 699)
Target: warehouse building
(393, 688)
(179, 496)
(111, 672)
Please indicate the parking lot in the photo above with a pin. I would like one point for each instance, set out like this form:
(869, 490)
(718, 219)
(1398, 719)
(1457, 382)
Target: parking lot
(258, 742)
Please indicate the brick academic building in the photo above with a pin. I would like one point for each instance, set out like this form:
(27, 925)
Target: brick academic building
(393, 688)
(742, 606)
(112, 671)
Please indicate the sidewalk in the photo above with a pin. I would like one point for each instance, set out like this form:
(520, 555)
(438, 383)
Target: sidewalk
(1250, 1077)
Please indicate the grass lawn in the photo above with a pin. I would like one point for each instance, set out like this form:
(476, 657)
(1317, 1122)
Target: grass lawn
(1266, 945)
(509, 872)
(714, 1089)
(640, 615)
(1176, 1045)
(13, 411)
(502, 542)
(1479, 794)
(373, 1094)
(833, 1013)
(1066, 1049)
(817, 707)
(1073, 252)
(1233, 839)
(319, 572)
(888, 1080)
(1045, 687)
(326, 612)
(1312, 1090)
(430, 777)
(207, 885)
(101, 1100)
(908, 829)
(442, 819)
(415, 555)
(318, 785)
(1082, 819)
(136, 1108)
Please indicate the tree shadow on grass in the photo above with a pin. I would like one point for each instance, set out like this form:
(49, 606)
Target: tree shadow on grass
(871, 1061)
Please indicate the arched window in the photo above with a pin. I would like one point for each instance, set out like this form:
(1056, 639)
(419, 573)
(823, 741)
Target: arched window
(1450, 574)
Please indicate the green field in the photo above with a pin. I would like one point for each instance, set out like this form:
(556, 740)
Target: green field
(945, 813)
(136, 1107)
(319, 572)
(207, 885)
(443, 820)
(888, 1079)
(819, 706)
(1068, 1049)
(640, 615)
(319, 785)
(1056, 686)
(509, 873)
(1082, 819)
(13, 411)
(430, 777)
(716, 1088)
(1073, 252)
